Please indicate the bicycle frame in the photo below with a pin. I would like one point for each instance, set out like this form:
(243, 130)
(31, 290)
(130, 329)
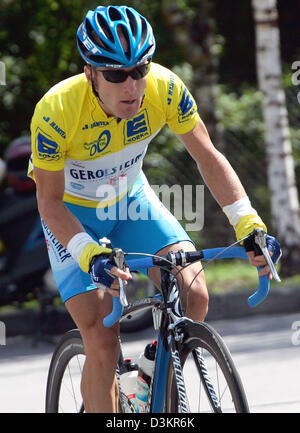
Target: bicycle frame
(166, 344)
(173, 317)
(180, 340)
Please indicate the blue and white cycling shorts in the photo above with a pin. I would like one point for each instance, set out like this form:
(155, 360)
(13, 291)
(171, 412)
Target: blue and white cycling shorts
(139, 222)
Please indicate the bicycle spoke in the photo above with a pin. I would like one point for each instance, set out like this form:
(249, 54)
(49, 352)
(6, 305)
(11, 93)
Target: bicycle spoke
(213, 395)
(216, 385)
(70, 396)
(211, 380)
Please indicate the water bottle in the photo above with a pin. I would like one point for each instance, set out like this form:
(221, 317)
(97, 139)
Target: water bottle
(128, 381)
(145, 373)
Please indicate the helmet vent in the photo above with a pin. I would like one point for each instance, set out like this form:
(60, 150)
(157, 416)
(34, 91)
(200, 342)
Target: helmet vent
(132, 22)
(93, 36)
(114, 14)
(144, 34)
(104, 26)
(122, 30)
(143, 54)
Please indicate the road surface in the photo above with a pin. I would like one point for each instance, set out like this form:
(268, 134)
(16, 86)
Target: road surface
(266, 351)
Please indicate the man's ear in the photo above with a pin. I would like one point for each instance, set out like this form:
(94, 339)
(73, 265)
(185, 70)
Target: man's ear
(87, 71)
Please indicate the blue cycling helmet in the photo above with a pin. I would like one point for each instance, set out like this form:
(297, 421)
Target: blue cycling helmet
(98, 37)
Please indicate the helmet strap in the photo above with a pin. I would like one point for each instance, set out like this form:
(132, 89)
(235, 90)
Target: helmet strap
(93, 87)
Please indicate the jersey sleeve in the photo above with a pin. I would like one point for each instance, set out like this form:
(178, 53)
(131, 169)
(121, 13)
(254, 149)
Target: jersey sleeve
(182, 113)
(48, 136)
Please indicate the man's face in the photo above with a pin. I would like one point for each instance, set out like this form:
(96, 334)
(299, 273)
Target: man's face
(121, 100)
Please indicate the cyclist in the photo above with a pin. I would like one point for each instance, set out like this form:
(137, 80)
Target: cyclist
(89, 136)
(16, 161)
(18, 209)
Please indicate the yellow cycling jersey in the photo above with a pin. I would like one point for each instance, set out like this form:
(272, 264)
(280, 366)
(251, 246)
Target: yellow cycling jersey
(102, 156)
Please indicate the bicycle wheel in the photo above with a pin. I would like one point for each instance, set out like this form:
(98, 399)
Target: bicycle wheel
(64, 377)
(63, 393)
(211, 380)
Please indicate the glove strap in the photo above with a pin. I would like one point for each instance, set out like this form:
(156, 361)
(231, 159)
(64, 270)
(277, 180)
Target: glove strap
(247, 224)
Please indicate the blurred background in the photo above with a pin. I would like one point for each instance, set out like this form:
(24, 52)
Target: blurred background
(213, 46)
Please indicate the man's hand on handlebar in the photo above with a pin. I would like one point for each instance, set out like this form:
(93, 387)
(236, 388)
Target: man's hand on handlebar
(125, 275)
(259, 262)
(106, 275)
(258, 245)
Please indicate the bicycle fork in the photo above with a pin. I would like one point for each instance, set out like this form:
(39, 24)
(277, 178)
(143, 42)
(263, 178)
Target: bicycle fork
(163, 356)
(206, 381)
(177, 369)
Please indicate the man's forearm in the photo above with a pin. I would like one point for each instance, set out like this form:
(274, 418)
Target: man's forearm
(62, 223)
(221, 179)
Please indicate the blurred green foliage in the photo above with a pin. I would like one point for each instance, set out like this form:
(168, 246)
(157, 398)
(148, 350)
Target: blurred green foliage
(38, 47)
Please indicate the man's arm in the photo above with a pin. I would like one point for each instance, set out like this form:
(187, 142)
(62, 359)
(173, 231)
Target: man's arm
(50, 191)
(65, 226)
(218, 175)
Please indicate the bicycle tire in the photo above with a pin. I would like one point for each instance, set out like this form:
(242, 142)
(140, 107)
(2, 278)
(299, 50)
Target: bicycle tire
(202, 337)
(69, 347)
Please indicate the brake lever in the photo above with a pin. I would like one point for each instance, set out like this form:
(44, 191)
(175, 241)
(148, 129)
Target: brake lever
(118, 257)
(260, 240)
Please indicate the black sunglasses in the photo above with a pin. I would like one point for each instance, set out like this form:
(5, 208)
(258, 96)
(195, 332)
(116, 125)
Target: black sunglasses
(119, 75)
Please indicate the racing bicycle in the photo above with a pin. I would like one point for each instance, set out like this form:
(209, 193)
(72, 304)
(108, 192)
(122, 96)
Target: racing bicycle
(194, 370)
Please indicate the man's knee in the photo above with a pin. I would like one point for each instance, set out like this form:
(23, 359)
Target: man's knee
(198, 292)
(88, 311)
(101, 345)
(198, 297)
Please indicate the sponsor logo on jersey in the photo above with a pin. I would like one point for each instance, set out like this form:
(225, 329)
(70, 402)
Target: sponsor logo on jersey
(55, 126)
(94, 125)
(186, 107)
(46, 148)
(171, 88)
(102, 173)
(77, 186)
(137, 129)
(99, 145)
